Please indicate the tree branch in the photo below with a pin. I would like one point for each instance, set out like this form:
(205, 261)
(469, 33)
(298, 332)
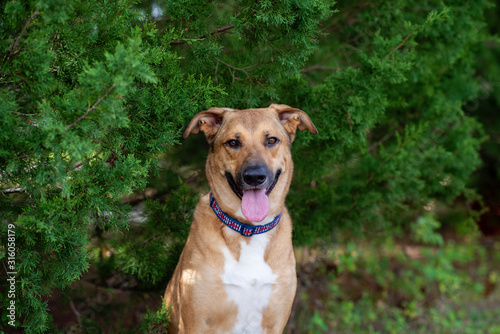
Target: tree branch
(326, 68)
(85, 51)
(381, 141)
(397, 47)
(14, 45)
(13, 191)
(80, 164)
(91, 108)
(20, 113)
(349, 20)
(234, 69)
(75, 311)
(218, 31)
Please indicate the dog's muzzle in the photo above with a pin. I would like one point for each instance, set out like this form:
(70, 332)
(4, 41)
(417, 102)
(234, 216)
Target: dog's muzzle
(254, 177)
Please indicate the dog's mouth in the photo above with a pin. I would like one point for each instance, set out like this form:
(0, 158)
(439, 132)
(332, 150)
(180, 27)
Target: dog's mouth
(254, 200)
(232, 184)
(239, 192)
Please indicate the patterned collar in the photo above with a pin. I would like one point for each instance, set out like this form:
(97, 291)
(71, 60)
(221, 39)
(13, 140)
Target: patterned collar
(244, 229)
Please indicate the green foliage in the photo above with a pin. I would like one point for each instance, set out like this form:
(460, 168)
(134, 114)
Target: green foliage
(155, 322)
(393, 135)
(425, 230)
(153, 255)
(85, 93)
(391, 287)
(94, 96)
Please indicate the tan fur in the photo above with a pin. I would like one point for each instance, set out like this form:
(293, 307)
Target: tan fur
(196, 293)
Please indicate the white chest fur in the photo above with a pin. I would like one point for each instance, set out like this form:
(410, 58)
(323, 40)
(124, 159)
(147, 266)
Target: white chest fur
(249, 282)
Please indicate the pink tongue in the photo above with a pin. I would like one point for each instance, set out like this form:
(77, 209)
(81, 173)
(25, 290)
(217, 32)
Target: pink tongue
(255, 205)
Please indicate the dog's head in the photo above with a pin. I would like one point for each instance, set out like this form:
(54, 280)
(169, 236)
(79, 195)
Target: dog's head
(249, 166)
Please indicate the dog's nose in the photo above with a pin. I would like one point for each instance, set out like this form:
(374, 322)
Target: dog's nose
(255, 175)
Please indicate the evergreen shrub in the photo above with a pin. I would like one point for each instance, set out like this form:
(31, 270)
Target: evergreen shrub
(94, 96)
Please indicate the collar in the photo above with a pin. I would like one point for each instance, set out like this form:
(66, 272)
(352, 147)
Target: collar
(244, 229)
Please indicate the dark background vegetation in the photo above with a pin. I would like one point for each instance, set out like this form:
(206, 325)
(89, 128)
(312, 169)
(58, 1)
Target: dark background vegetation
(396, 203)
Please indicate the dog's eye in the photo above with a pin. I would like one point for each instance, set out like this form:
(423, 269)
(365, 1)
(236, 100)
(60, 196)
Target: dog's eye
(233, 143)
(272, 141)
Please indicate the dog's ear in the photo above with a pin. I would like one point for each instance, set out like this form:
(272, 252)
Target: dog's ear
(208, 122)
(293, 119)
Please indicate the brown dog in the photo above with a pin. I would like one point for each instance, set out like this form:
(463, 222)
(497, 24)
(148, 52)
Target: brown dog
(236, 273)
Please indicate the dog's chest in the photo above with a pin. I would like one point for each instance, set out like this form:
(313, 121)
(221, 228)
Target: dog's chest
(249, 282)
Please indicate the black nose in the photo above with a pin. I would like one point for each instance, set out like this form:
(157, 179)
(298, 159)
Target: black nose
(255, 175)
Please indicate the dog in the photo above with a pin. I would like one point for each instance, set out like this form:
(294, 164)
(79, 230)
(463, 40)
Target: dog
(236, 273)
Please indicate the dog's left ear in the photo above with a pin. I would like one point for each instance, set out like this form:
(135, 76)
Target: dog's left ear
(208, 122)
(293, 119)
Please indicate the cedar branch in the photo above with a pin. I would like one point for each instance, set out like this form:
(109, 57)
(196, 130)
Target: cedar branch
(20, 113)
(326, 68)
(14, 45)
(13, 190)
(80, 164)
(218, 31)
(91, 108)
(381, 141)
(232, 69)
(397, 47)
(75, 311)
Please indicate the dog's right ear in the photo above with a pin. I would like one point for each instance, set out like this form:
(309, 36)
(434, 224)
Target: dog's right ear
(208, 122)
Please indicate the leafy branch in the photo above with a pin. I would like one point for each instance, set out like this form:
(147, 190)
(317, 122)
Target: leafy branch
(397, 47)
(327, 68)
(13, 191)
(232, 69)
(215, 32)
(14, 45)
(92, 108)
